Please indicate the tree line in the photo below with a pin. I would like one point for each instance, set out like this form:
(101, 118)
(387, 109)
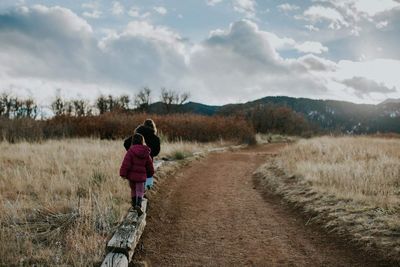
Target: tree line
(262, 118)
(12, 107)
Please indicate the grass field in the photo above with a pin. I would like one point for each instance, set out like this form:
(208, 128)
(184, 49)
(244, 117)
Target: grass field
(60, 200)
(350, 184)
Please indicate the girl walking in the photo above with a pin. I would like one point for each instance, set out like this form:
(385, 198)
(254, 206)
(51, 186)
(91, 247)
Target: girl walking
(136, 167)
(149, 131)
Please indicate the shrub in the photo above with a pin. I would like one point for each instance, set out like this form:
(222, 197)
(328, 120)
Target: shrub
(113, 125)
(179, 155)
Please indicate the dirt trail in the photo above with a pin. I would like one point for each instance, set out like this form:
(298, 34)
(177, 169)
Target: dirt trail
(211, 214)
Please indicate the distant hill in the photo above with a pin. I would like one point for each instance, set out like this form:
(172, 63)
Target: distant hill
(390, 100)
(190, 107)
(337, 116)
(329, 115)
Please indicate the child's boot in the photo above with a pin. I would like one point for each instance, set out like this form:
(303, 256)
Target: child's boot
(133, 202)
(138, 206)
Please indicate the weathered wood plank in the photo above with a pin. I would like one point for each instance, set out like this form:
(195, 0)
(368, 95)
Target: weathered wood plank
(124, 241)
(128, 233)
(115, 260)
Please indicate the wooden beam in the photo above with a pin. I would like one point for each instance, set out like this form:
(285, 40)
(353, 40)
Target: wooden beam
(128, 234)
(115, 260)
(122, 245)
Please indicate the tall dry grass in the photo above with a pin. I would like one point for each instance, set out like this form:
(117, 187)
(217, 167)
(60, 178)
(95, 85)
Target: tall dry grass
(350, 185)
(61, 200)
(358, 168)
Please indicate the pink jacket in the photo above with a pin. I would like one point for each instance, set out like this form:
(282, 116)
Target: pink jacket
(137, 164)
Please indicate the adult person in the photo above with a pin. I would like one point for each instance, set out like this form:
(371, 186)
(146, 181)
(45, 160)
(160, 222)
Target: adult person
(149, 131)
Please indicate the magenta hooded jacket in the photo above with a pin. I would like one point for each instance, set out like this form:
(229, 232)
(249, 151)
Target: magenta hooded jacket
(137, 164)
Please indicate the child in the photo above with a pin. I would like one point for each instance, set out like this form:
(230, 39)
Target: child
(149, 131)
(136, 167)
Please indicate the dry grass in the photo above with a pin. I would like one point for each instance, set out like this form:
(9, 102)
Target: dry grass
(60, 200)
(187, 149)
(274, 138)
(361, 169)
(350, 184)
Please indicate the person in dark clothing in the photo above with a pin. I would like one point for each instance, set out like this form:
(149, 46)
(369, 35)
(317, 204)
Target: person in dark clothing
(149, 131)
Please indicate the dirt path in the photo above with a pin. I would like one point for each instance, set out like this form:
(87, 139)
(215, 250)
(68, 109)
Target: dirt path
(212, 215)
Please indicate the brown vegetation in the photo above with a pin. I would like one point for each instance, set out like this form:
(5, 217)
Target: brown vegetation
(277, 119)
(61, 200)
(112, 125)
(350, 184)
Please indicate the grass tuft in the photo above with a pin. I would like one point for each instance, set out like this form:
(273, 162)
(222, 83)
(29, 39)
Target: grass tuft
(179, 155)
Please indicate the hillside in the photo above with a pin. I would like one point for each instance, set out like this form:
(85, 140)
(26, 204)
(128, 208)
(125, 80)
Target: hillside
(391, 100)
(190, 107)
(329, 115)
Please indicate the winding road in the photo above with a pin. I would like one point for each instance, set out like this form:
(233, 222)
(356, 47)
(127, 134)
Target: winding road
(212, 214)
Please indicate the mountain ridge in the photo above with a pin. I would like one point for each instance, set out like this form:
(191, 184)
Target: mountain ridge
(329, 115)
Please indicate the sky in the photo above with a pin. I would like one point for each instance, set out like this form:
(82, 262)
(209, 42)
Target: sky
(219, 51)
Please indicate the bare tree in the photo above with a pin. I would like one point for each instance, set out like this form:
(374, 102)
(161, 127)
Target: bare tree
(123, 102)
(101, 104)
(81, 107)
(111, 103)
(25, 108)
(14, 107)
(171, 99)
(143, 99)
(2, 105)
(184, 97)
(167, 98)
(57, 106)
(68, 108)
(31, 108)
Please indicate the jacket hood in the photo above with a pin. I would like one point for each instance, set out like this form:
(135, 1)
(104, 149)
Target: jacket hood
(145, 130)
(140, 151)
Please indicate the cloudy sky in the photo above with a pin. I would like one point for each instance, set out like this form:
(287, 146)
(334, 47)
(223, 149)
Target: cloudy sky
(221, 51)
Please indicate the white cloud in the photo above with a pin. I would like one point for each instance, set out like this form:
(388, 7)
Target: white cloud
(321, 13)
(135, 12)
(117, 8)
(311, 28)
(95, 14)
(373, 7)
(315, 63)
(241, 62)
(371, 69)
(355, 15)
(363, 86)
(71, 56)
(90, 5)
(285, 43)
(311, 47)
(382, 24)
(246, 7)
(160, 10)
(213, 2)
(286, 7)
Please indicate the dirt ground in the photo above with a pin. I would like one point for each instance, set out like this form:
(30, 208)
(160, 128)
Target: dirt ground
(212, 214)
